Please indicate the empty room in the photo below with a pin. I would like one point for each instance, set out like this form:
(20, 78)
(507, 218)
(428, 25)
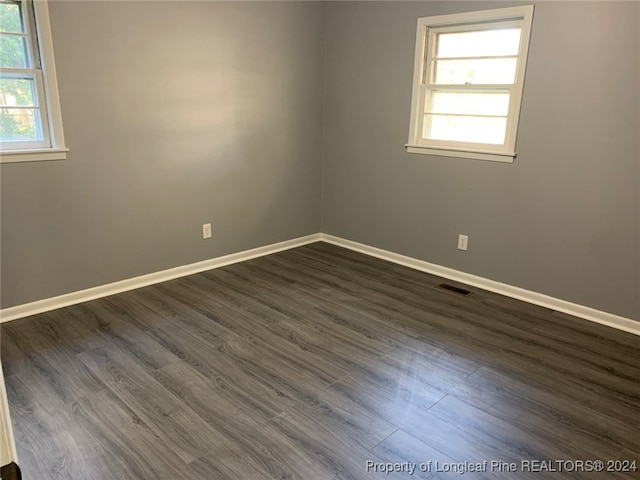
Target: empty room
(319, 240)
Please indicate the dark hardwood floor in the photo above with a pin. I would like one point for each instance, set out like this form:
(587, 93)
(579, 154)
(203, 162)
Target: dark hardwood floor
(319, 363)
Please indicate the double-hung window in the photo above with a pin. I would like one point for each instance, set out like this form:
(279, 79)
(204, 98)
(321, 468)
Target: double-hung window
(30, 119)
(468, 81)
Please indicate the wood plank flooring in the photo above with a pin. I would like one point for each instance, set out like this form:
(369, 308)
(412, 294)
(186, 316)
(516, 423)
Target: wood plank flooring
(318, 363)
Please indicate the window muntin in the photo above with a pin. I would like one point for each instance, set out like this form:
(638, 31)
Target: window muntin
(30, 121)
(468, 82)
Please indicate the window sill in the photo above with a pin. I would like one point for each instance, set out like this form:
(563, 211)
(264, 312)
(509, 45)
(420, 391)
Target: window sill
(19, 156)
(473, 154)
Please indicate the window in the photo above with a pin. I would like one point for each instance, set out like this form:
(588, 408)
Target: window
(468, 79)
(30, 120)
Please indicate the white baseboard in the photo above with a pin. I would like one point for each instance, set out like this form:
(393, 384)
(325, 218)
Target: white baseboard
(604, 318)
(40, 306)
(48, 304)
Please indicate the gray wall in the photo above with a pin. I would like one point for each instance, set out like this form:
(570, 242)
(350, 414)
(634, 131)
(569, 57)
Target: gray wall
(177, 114)
(181, 113)
(564, 219)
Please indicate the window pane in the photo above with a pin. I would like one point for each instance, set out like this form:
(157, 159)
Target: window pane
(477, 72)
(484, 43)
(10, 19)
(470, 103)
(13, 52)
(465, 129)
(19, 124)
(18, 92)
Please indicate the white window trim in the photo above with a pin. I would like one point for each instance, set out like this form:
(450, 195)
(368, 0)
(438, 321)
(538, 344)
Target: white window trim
(499, 153)
(58, 149)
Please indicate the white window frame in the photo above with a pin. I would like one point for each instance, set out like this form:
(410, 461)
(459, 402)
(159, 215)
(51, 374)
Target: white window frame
(427, 28)
(42, 64)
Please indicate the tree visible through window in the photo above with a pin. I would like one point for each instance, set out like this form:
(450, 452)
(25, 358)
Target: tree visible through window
(27, 94)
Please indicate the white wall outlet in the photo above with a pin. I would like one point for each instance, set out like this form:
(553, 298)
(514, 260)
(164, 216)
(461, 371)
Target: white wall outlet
(463, 241)
(206, 230)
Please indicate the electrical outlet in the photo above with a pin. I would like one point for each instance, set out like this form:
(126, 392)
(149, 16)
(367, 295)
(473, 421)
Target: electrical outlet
(463, 241)
(206, 230)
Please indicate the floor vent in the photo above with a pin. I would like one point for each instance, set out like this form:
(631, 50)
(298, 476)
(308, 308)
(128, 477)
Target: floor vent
(451, 288)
